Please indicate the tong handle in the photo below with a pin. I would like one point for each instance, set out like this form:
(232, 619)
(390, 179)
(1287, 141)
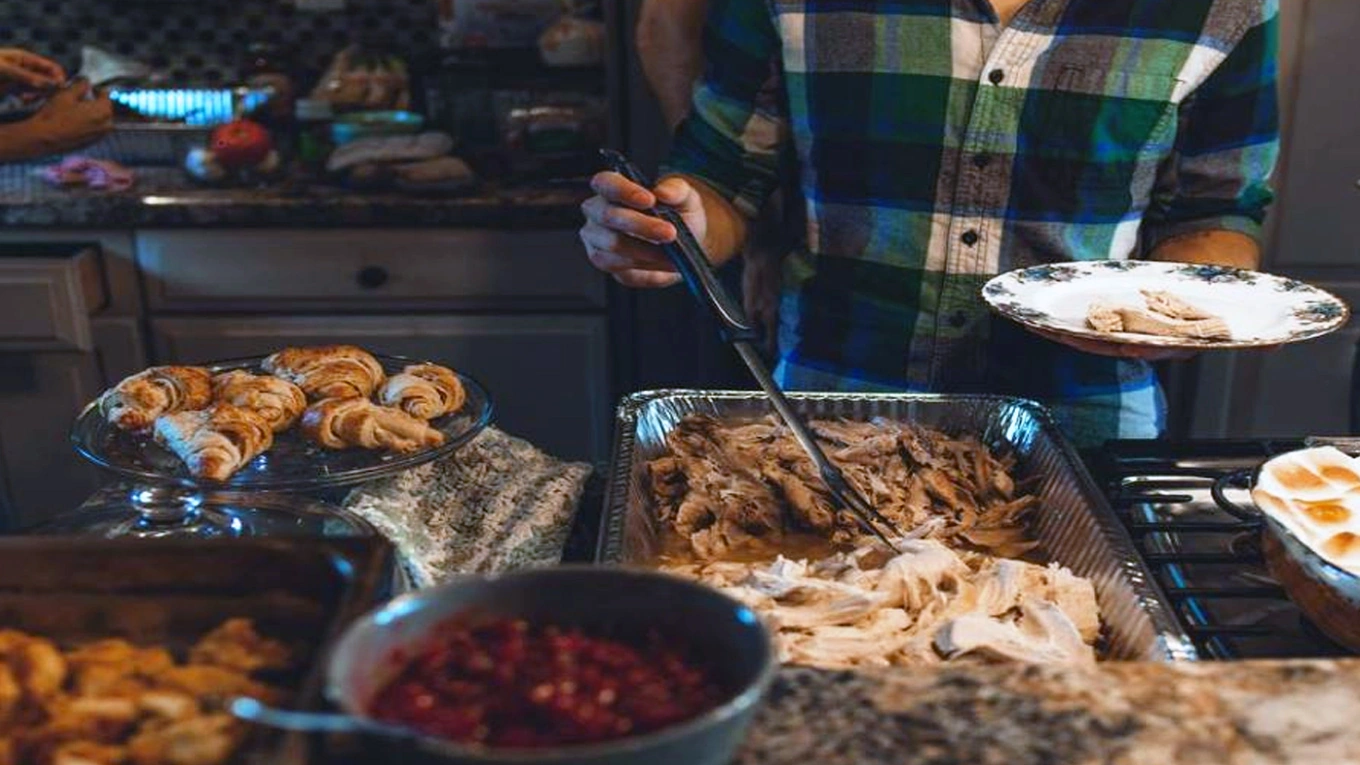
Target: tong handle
(689, 259)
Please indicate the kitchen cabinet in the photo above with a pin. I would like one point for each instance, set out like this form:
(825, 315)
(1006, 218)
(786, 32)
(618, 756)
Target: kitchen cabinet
(365, 270)
(48, 292)
(1315, 236)
(520, 310)
(1319, 215)
(40, 394)
(62, 326)
(548, 374)
(1303, 389)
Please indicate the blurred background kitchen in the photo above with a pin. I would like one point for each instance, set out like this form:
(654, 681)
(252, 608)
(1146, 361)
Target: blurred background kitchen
(408, 179)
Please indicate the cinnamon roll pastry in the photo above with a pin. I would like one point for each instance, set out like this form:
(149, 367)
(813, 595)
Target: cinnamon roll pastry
(215, 442)
(343, 423)
(426, 391)
(135, 403)
(328, 371)
(275, 399)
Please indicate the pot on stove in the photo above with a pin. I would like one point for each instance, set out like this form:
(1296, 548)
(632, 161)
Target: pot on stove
(1310, 500)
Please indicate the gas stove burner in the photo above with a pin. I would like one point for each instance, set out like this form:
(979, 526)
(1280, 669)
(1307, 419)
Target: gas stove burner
(1238, 479)
(1188, 507)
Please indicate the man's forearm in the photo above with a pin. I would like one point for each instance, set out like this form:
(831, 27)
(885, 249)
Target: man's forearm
(726, 234)
(1215, 248)
(669, 38)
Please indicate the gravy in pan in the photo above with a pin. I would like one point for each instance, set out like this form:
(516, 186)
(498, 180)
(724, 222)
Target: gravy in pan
(799, 545)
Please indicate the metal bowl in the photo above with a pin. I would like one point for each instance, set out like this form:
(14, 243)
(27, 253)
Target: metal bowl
(726, 633)
(1328, 595)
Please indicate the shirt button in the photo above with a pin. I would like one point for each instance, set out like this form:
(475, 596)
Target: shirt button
(958, 319)
(969, 238)
(996, 76)
(981, 161)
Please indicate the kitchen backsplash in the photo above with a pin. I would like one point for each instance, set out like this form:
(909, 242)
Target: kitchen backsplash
(205, 42)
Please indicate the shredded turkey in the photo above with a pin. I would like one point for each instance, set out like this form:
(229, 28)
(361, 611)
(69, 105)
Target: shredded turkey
(731, 487)
(924, 605)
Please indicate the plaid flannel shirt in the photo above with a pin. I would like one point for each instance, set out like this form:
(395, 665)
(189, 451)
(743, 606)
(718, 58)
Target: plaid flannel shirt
(935, 149)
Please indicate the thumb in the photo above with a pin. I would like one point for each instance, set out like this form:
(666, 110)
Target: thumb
(676, 192)
(72, 94)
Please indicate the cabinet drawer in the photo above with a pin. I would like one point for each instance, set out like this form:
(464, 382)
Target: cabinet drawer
(40, 395)
(47, 292)
(548, 374)
(318, 270)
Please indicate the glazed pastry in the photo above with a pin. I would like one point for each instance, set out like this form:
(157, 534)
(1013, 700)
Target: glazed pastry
(276, 400)
(215, 442)
(135, 403)
(426, 391)
(328, 371)
(342, 423)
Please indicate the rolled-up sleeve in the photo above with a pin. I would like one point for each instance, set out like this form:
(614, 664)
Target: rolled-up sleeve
(1219, 177)
(736, 128)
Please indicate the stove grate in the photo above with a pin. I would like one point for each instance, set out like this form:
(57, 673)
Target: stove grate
(1187, 507)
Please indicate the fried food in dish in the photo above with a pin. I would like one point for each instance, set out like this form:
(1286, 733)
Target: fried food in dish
(121, 704)
(216, 442)
(426, 391)
(275, 399)
(748, 487)
(136, 402)
(328, 371)
(236, 645)
(923, 605)
(337, 423)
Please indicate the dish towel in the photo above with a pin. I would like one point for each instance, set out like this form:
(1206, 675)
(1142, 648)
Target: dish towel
(96, 174)
(497, 504)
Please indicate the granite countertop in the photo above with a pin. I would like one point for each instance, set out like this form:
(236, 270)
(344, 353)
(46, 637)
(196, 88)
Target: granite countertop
(1209, 713)
(164, 197)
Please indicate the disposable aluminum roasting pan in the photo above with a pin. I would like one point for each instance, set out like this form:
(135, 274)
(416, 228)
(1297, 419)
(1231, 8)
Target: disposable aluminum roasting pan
(1075, 525)
(169, 592)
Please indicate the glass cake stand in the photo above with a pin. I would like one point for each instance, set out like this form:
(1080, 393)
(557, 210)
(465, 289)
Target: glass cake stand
(167, 512)
(160, 498)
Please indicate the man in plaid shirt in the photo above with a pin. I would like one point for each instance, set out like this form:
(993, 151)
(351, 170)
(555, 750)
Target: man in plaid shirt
(940, 142)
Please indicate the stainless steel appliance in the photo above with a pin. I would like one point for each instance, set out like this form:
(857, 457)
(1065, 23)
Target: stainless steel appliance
(1188, 509)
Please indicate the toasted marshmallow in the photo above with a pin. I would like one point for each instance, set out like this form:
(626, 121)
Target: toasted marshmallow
(1315, 494)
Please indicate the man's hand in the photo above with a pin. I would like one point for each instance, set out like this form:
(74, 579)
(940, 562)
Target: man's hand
(29, 71)
(625, 242)
(71, 119)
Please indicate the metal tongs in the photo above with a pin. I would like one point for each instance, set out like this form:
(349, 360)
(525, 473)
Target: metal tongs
(689, 259)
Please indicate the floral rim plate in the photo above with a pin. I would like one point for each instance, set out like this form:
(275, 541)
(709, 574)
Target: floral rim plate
(1260, 309)
(293, 464)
